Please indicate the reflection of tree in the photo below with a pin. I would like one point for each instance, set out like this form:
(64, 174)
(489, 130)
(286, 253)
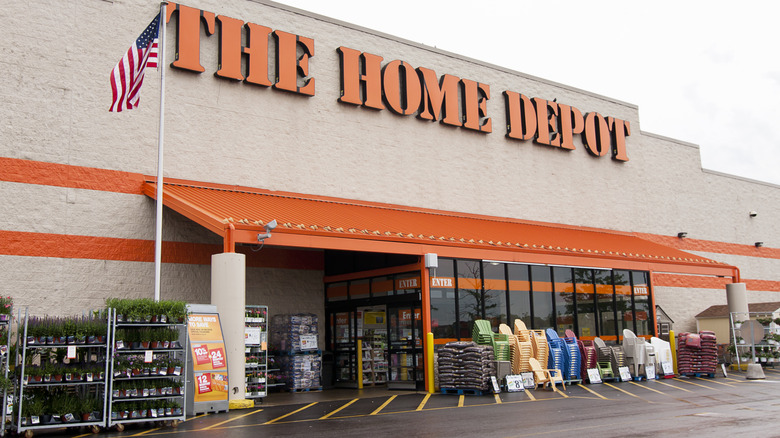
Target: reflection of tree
(472, 301)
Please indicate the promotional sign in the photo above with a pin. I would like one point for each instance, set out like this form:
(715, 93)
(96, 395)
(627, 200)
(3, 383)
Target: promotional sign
(496, 388)
(211, 387)
(204, 328)
(625, 374)
(650, 372)
(528, 380)
(514, 383)
(667, 368)
(593, 375)
(209, 363)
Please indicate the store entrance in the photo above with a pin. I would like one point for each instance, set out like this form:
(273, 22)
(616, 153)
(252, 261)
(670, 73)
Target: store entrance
(377, 343)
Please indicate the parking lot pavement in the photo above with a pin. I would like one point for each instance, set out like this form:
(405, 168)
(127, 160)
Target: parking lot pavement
(357, 413)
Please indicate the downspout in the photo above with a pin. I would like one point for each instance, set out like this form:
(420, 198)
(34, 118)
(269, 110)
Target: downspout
(229, 242)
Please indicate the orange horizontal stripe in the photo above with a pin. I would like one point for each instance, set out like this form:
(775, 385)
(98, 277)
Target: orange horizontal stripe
(700, 282)
(90, 178)
(19, 243)
(63, 175)
(712, 246)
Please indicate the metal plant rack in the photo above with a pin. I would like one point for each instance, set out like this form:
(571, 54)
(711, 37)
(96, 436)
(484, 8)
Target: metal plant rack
(179, 352)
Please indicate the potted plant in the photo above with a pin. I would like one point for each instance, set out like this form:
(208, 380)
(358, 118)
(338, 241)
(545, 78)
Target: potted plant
(6, 307)
(32, 409)
(90, 409)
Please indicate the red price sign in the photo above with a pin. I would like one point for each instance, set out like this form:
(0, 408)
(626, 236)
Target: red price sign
(217, 358)
(204, 383)
(201, 354)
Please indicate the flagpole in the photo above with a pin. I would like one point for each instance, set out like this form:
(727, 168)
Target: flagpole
(160, 136)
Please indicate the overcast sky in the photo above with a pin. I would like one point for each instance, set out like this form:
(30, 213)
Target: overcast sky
(705, 72)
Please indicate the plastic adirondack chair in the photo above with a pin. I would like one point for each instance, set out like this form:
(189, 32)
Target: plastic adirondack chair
(540, 346)
(545, 376)
(522, 349)
(605, 359)
(634, 350)
(589, 356)
(558, 355)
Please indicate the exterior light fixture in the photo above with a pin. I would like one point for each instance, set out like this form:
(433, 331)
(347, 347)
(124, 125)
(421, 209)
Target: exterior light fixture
(753, 213)
(682, 234)
(759, 244)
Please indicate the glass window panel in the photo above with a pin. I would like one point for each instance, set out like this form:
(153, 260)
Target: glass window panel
(495, 293)
(382, 286)
(469, 296)
(542, 297)
(443, 311)
(564, 300)
(604, 298)
(586, 308)
(519, 295)
(359, 289)
(336, 291)
(643, 313)
(407, 283)
(625, 317)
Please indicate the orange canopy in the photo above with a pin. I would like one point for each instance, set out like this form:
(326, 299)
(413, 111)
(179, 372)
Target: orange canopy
(239, 214)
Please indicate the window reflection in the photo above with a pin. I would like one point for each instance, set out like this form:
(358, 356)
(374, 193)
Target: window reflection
(542, 297)
(495, 293)
(469, 295)
(604, 300)
(564, 300)
(519, 295)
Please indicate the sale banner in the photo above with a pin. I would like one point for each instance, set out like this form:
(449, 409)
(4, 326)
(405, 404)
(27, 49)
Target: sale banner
(203, 383)
(217, 356)
(215, 387)
(200, 352)
(204, 327)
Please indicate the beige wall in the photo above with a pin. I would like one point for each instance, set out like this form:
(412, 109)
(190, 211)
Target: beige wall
(56, 64)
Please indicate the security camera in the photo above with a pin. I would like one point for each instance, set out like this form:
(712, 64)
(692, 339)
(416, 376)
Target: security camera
(753, 214)
(268, 227)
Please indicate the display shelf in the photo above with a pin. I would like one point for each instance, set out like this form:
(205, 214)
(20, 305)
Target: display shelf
(76, 400)
(128, 361)
(256, 351)
(374, 357)
(5, 330)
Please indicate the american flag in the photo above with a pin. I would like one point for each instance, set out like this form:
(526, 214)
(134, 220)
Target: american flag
(128, 75)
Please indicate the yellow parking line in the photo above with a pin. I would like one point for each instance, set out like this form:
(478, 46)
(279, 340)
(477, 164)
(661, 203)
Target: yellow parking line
(460, 400)
(232, 419)
(145, 432)
(672, 386)
(531, 396)
(691, 383)
(719, 383)
(339, 409)
(423, 402)
(560, 392)
(592, 392)
(387, 402)
(624, 391)
(648, 388)
(293, 412)
(498, 399)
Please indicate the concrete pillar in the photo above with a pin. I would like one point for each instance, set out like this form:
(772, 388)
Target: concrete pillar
(228, 293)
(736, 296)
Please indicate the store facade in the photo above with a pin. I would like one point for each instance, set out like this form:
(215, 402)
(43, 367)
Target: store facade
(539, 201)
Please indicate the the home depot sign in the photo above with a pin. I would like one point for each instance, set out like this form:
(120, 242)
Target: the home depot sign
(368, 80)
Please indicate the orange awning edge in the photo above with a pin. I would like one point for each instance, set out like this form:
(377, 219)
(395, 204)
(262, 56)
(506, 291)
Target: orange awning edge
(305, 221)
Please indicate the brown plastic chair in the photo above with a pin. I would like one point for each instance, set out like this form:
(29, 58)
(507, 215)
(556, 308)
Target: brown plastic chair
(543, 376)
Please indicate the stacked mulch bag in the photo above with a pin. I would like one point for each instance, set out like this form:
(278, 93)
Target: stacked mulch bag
(466, 365)
(697, 353)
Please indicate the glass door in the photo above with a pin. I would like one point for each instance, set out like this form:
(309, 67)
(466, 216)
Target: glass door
(344, 351)
(405, 346)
